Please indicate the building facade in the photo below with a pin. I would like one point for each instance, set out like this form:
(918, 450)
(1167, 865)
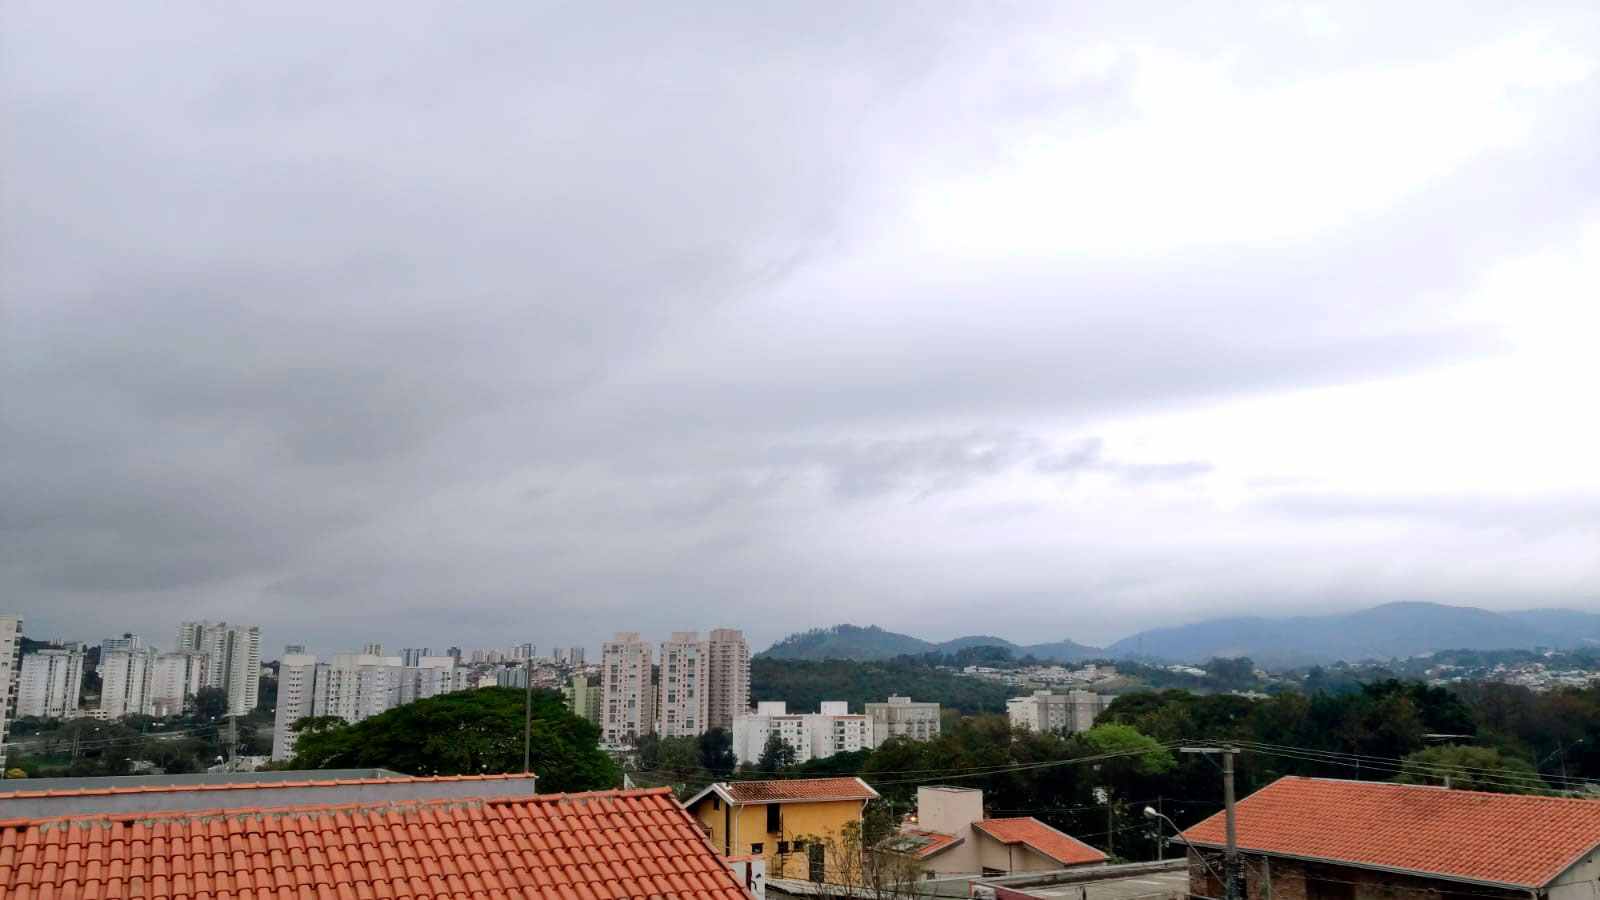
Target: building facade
(728, 677)
(901, 717)
(817, 735)
(353, 687)
(681, 699)
(50, 682)
(125, 682)
(10, 670)
(797, 826)
(175, 680)
(953, 837)
(1068, 713)
(297, 676)
(584, 698)
(233, 659)
(628, 694)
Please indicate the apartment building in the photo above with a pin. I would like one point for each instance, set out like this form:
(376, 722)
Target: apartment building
(175, 679)
(728, 677)
(584, 698)
(681, 699)
(628, 694)
(819, 735)
(10, 669)
(50, 683)
(1045, 711)
(233, 659)
(297, 676)
(125, 682)
(354, 686)
(901, 717)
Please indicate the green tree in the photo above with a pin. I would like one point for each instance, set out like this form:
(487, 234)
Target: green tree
(467, 732)
(776, 756)
(1471, 769)
(210, 702)
(716, 753)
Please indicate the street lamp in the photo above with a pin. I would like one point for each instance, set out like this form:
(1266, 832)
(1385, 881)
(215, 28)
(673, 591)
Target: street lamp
(1150, 813)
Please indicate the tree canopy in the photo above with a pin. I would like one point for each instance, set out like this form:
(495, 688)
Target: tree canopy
(468, 733)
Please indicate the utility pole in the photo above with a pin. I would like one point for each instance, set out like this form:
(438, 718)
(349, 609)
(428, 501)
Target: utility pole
(527, 717)
(1161, 846)
(1232, 874)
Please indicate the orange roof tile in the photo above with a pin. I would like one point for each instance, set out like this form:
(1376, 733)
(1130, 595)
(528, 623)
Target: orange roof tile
(1499, 839)
(796, 789)
(597, 846)
(1037, 836)
(917, 843)
(247, 785)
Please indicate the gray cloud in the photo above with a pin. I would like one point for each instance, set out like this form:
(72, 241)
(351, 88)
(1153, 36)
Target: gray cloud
(420, 323)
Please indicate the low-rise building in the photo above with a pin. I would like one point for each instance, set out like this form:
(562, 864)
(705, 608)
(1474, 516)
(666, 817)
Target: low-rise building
(1046, 711)
(819, 735)
(953, 837)
(901, 717)
(798, 826)
(1329, 839)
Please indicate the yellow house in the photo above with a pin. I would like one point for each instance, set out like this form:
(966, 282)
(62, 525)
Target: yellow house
(798, 825)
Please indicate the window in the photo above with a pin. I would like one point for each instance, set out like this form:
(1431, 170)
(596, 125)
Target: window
(716, 802)
(757, 849)
(819, 866)
(774, 819)
(783, 846)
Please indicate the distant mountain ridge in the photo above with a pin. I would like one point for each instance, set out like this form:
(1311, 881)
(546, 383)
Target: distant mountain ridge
(865, 644)
(1393, 630)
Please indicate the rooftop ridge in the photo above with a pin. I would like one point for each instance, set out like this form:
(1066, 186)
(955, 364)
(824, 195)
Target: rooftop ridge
(25, 794)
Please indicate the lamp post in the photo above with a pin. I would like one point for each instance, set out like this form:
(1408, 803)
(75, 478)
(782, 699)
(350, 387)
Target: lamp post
(1232, 885)
(1150, 813)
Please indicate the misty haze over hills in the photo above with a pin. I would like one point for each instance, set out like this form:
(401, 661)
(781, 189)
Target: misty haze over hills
(1381, 632)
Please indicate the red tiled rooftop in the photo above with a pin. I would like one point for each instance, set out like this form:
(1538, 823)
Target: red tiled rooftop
(1501, 839)
(918, 843)
(796, 789)
(598, 846)
(1037, 836)
(245, 786)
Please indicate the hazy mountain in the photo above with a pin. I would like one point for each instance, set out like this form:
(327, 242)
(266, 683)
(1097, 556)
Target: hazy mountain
(1382, 632)
(871, 643)
(846, 642)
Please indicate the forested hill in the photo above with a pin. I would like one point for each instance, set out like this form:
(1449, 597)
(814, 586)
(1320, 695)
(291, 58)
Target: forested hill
(803, 684)
(874, 643)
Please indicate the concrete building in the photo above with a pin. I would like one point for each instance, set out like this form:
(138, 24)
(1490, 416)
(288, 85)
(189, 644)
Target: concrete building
(50, 683)
(681, 699)
(628, 694)
(297, 676)
(125, 682)
(175, 679)
(233, 659)
(901, 717)
(128, 641)
(10, 670)
(1331, 839)
(1045, 711)
(728, 677)
(817, 735)
(789, 823)
(953, 837)
(584, 698)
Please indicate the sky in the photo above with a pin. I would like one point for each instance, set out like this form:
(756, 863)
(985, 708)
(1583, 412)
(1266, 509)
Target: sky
(434, 324)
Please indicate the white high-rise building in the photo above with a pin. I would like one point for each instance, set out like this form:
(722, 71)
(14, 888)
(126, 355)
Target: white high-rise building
(901, 717)
(819, 735)
(297, 676)
(681, 699)
(128, 641)
(50, 683)
(175, 679)
(233, 659)
(10, 669)
(1044, 711)
(628, 696)
(125, 682)
(727, 677)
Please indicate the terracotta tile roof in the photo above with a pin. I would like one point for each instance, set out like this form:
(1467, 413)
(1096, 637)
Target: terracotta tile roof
(598, 846)
(1037, 836)
(1501, 839)
(794, 789)
(245, 786)
(920, 844)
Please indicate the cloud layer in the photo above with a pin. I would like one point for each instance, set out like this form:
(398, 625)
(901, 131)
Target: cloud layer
(430, 325)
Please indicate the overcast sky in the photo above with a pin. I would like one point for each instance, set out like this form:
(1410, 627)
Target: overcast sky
(480, 323)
